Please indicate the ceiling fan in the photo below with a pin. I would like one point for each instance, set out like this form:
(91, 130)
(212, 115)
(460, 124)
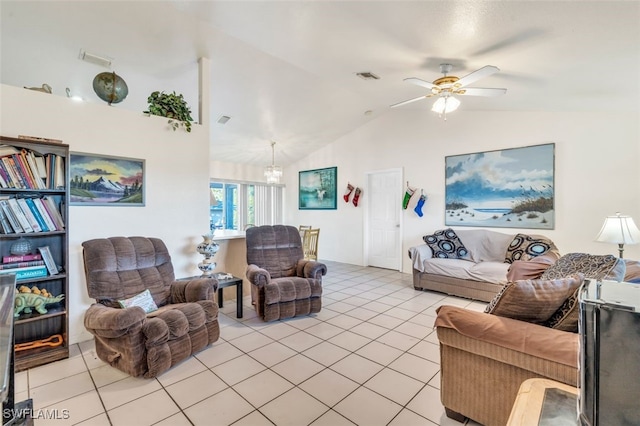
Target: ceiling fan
(447, 86)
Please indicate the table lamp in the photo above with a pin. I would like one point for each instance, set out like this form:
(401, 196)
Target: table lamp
(619, 230)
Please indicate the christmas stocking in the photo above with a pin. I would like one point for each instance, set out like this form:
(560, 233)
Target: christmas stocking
(407, 196)
(356, 196)
(347, 194)
(418, 208)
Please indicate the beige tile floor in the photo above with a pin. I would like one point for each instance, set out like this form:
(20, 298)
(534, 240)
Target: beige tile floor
(370, 357)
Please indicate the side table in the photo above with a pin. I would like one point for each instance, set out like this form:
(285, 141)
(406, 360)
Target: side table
(223, 283)
(544, 402)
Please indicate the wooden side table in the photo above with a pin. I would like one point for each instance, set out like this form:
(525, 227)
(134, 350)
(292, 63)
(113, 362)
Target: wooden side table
(544, 402)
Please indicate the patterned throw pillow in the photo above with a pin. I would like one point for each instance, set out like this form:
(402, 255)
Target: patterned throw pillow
(445, 244)
(526, 247)
(143, 300)
(533, 301)
(592, 266)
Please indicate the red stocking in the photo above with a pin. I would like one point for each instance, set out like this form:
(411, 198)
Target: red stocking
(356, 196)
(348, 193)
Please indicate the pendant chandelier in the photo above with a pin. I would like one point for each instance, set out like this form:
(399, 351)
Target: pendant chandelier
(273, 173)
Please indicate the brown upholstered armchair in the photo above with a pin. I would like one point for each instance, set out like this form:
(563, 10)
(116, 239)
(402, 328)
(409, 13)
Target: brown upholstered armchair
(283, 283)
(139, 343)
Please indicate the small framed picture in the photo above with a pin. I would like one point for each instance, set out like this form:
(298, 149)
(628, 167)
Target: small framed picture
(103, 180)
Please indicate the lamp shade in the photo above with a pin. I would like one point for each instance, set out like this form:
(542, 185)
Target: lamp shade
(445, 104)
(619, 229)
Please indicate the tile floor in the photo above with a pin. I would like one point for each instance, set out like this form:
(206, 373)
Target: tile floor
(370, 357)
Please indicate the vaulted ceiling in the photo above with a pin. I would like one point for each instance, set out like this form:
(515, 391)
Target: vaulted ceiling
(287, 70)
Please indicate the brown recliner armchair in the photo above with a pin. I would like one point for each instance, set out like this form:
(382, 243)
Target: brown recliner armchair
(283, 283)
(139, 343)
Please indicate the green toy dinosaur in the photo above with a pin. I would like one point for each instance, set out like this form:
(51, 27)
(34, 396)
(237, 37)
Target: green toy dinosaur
(25, 301)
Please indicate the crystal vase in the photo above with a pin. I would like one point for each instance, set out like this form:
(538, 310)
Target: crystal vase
(208, 248)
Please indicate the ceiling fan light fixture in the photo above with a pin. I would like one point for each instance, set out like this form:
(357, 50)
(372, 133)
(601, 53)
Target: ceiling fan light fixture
(445, 104)
(273, 173)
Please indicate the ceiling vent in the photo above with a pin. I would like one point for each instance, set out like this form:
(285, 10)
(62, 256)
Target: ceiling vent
(223, 119)
(95, 59)
(367, 75)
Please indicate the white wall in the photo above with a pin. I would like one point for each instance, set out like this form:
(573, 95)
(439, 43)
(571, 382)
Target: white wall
(177, 175)
(596, 172)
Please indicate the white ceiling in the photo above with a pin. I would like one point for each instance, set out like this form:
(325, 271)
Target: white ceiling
(286, 70)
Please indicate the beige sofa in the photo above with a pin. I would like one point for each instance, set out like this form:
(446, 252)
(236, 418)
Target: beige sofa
(485, 358)
(480, 276)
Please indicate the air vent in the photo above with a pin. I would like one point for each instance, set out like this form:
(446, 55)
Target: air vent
(223, 119)
(367, 75)
(95, 59)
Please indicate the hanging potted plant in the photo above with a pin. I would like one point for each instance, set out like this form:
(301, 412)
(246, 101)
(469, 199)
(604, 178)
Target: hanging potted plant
(172, 106)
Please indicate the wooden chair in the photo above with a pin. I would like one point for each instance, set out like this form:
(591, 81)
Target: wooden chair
(310, 244)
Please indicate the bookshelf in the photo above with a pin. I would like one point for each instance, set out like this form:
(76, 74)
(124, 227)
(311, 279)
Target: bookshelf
(40, 337)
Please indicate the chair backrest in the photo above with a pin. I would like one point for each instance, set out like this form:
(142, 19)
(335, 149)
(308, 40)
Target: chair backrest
(117, 268)
(276, 248)
(310, 244)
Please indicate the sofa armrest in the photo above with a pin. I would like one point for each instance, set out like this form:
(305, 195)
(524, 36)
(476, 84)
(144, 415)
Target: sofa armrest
(419, 254)
(111, 323)
(532, 339)
(258, 276)
(310, 269)
(193, 290)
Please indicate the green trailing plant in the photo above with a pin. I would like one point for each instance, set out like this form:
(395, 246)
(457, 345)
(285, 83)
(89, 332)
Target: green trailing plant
(172, 106)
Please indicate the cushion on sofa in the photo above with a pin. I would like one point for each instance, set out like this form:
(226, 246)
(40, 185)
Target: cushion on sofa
(533, 300)
(484, 245)
(445, 244)
(526, 247)
(531, 269)
(605, 267)
(520, 336)
(632, 274)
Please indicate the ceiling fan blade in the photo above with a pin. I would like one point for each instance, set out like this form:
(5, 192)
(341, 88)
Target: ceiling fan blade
(419, 82)
(485, 71)
(409, 101)
(481, 91)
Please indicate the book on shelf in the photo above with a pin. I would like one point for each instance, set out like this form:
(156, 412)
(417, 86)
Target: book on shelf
(31, 205)
(37, 202)
(27, 272)
(50, 204)
(48, 260)
(19, 214)
(10, 216)
(21, 257)
(10, 167)
(33, 222)
(30, 159)
(5, 225)
(14, 265)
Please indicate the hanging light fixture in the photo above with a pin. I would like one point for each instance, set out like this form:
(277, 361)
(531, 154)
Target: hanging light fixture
(445, 103)
(273, 172)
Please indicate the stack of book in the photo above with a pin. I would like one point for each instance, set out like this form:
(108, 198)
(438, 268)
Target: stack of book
(25, 215)
(26, 169)
(26, 266)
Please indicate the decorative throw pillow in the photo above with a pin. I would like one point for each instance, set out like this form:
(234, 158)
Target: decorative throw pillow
(446, 244)
(566, 318)
(143, 300)
(526, 247)
(533, 301)
(606, 267)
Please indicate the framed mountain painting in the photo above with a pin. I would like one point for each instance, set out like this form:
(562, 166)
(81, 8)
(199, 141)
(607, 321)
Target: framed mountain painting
(507, 188)
(103, 180)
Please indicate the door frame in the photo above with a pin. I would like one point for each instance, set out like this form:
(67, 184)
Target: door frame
(367, 221)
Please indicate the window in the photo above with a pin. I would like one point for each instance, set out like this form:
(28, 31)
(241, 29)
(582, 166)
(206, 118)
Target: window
(236, 205)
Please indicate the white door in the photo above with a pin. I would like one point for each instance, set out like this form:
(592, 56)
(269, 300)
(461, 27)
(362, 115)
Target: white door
(383, 219)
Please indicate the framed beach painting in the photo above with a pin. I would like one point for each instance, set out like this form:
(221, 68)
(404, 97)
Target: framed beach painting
(104, 180)
(508, 188)
(317, 189)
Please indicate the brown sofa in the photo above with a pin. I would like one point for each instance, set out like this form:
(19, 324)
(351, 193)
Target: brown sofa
(485, 358)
